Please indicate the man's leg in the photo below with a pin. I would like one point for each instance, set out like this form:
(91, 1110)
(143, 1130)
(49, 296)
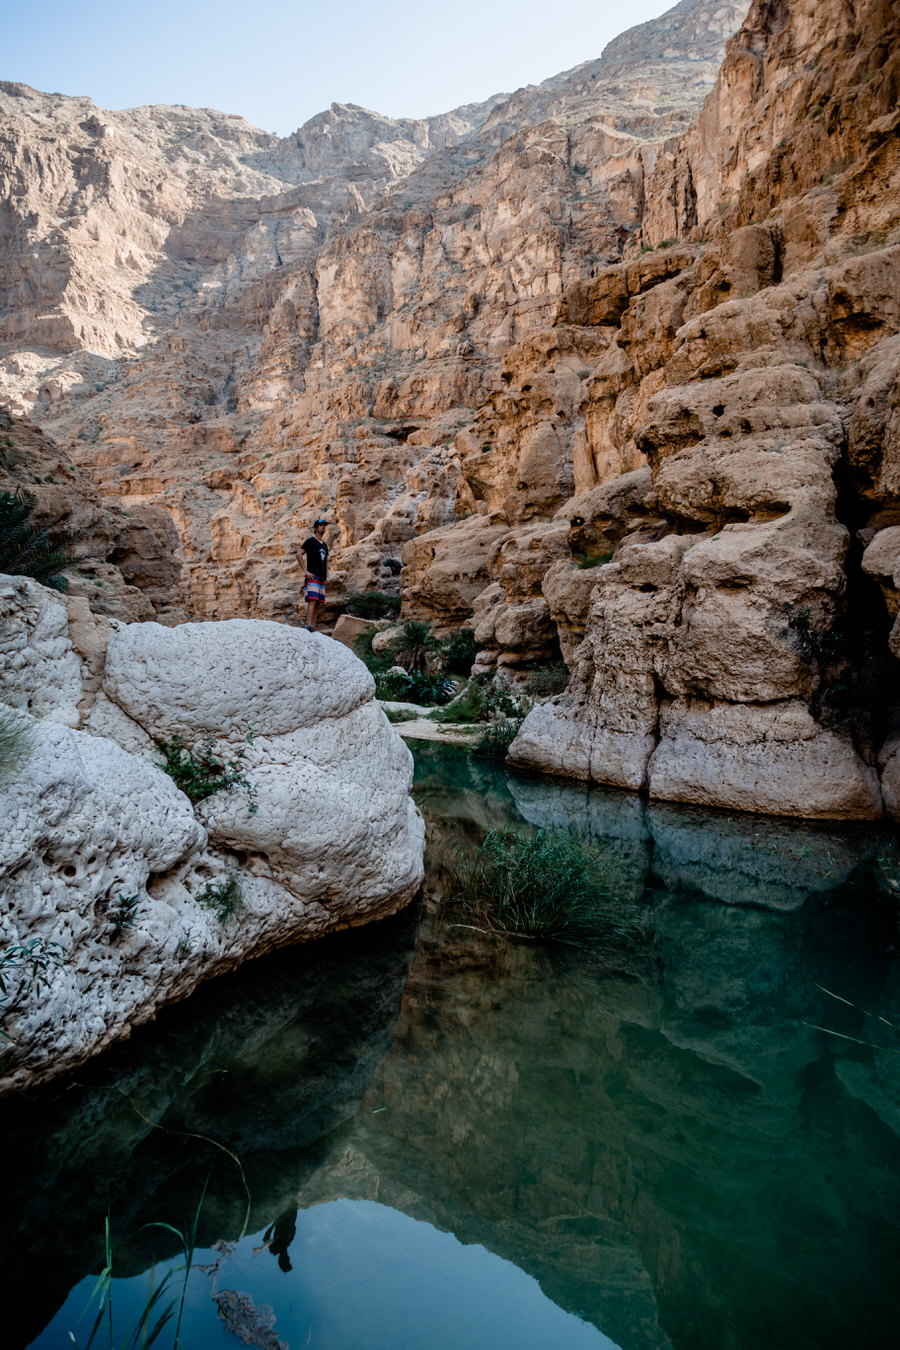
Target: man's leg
(311, 609)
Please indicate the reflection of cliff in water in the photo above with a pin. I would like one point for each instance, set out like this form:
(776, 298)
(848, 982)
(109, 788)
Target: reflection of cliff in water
(676, 1158)
(739, 859)
(266, 1062)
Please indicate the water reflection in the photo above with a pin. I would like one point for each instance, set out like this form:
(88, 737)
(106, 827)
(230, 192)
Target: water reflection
(679, 1159)
(740, 859)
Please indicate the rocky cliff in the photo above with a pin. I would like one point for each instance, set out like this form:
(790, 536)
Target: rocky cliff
(736, 648)
(240, 329)
(610, 369)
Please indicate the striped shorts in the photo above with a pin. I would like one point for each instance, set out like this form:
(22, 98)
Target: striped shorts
(314, 590)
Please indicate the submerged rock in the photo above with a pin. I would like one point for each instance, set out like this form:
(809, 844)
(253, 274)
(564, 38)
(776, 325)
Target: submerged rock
(128, 894)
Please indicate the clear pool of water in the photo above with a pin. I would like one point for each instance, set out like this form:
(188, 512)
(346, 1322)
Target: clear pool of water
(416, 1135)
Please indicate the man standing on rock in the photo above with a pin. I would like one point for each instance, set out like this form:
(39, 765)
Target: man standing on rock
(313, 558)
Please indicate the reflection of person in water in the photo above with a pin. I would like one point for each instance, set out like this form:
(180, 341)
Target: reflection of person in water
(279, 1236)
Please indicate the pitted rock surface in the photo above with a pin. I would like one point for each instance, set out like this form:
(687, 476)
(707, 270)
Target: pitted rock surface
(320, 834)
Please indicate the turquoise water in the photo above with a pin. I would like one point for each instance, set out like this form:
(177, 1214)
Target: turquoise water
(443, 1139)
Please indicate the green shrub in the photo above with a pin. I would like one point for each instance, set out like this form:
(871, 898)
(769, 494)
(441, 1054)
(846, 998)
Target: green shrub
(25, 550)
(498, 738)
(548, 680)
(25, 967)
(373, 605)
(467, 707)
(548, 885)
(499, 701)
(423, 687)
(224, 898)
(377, 664)
(16, 740)
(201, 772)
(123, 915)
(594, 559)
(399, 715)
(391, 685)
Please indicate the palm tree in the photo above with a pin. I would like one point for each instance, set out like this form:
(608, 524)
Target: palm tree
(25, 550)
(414, 646)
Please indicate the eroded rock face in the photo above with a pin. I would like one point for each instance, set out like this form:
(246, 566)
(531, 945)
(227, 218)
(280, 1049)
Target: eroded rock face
(614, 376)
(242, 331)
(758, 380)
(104, 862)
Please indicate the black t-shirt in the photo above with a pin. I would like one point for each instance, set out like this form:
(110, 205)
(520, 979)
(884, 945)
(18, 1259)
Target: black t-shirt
(316, 551)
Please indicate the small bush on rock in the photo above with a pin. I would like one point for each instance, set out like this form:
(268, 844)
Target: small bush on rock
(25, 967)
(547, 681)
(123, 914)
(373, 605)
(501, 702)
(498, 738)
(224, 898)
(201, 772)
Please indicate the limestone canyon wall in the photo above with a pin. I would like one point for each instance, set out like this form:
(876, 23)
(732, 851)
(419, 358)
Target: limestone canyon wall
(242, 330)
(610, 366)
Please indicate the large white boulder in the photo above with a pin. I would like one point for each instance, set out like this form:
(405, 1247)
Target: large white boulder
(320, 834)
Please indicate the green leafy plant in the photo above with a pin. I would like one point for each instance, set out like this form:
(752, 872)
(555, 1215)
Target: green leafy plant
(373, 604)
(25, 550)
(123, 915)
(200, 771)
(185, 945)
(547, 885)
(814, 644)
(391, 684)
(498, 738)
(594, 559)
(467, 707)
(428, 688)
(26, 966)
(501, 702)
(224, 898)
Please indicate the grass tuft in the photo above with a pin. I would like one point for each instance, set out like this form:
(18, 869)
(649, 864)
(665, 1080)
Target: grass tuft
(373, 605)
(16, 740)
(547, 885)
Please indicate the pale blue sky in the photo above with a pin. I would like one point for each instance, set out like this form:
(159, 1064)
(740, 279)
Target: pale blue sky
(277, 63)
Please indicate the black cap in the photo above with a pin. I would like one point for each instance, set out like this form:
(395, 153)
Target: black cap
(319, 522)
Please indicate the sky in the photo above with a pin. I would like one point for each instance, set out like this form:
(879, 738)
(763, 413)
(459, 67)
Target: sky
(277, 64)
